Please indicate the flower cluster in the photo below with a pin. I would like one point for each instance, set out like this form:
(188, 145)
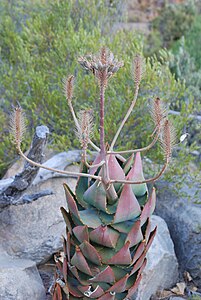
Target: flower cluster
(103, 66)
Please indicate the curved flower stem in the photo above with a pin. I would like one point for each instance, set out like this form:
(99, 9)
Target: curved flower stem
(125, 118)
(91, 166)
(78, 126)
(143, 181)
(55, 170)
(138, 150)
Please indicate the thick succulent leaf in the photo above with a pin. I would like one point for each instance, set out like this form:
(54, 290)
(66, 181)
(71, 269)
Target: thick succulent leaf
(72, 206)
(142, 199)
(97, 160)
(105, 236)
(136, 174)
(111, 209)
(108, 296)
(80, 262)
(138, 263)
(133, 289)
(81, 233)
(68, 245)
(135, 235)
(91, 293)
(115, 170)
(74, 290)
(142, 267)
(119, 272)
(139, 251)
(65, 263)
(149, 207)
(57, 293)
(107, 275)
(151, 238)
(96, 195)
(66, 217)
(122, 257)
(82, 186)
(90, 218)
(128, 164)
(90, 253)
(124, 227)
(148, 230)
(106, 218)
(128, 207)
(74, 271)
(81, 277)
(120, 285)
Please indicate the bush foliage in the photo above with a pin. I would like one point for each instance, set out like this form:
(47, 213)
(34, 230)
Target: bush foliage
(38, 52)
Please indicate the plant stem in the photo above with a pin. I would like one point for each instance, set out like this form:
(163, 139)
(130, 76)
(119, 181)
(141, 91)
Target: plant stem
(56, 170)
(143, 181)
(138, 150)
(102, 131)
(78, 126)
(125, 118)
(91, 166)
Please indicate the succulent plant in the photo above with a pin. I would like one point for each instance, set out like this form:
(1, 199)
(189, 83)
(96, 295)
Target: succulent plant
(108, 228)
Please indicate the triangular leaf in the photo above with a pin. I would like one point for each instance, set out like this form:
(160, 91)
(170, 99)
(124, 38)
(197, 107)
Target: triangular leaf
(122, 257)
(107, 275)
(90, 218)
(66, 217)
(115, 170)
(151, 238)
(72, 206)
(120, 285)
(105, 236)
(97, 160)
(136, 174)
(138, 263)
(81, 233)
(82, 186)
(96, 195)
(79, 261)
(133, 289)
(107, 296)
(128, 163)
(135, 234)
(148, 230)
(149, 207)
(138, 252)
(90, 253)
(142, 267)
(128, 207)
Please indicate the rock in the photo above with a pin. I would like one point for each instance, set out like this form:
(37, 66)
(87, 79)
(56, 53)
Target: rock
(59, 161)
(183, 217)
(176, 298)
(19, 279)
(161, 271)
(33, 231)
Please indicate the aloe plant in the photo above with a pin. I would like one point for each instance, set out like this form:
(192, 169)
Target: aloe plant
(108, 228)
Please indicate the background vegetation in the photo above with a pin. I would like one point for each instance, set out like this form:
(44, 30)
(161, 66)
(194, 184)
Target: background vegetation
(40, 42)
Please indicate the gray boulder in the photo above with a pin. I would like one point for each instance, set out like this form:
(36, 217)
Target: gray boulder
(161, 271)
(183, 217)
(33, 230)
(19, 279)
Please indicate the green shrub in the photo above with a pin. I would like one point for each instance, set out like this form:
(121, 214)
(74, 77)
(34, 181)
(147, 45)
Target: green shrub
(38, 53)
(171, 24)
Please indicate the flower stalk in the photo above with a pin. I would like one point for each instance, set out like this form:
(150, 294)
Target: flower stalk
(103, 67)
